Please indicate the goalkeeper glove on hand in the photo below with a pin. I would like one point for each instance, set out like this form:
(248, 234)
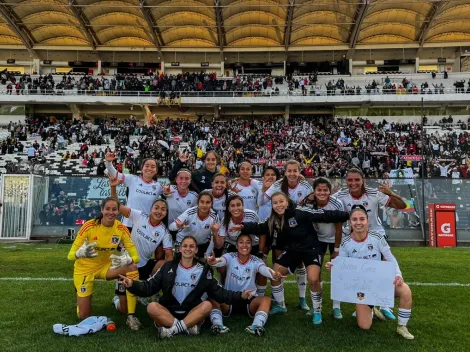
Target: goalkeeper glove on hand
(119, 261)
(86, 251)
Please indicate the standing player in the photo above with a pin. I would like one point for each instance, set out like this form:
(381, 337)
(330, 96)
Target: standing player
(200, 222)
(142, 190)
(246, 187)
(329, 235)
(297, 188)
(357, 193)
(242, 268)
(364, 243)
(92, 249)
(148, 232)
(220, 193)
(183, 283)
(291, 227)
(270, 175)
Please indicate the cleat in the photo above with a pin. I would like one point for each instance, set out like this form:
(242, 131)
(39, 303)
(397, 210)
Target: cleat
(133, 323)
(317, 318)
(387, 313)
(337, 313)
(219, 329)
(303, 304)
(143, 300)
(378, 313)
(163, 333)
(354, 314)
(310, 312)
(195, 330)
(255, 330)
(403, 331)
(277, 310)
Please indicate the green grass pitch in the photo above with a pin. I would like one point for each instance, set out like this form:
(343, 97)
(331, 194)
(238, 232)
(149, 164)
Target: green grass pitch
(30, 308)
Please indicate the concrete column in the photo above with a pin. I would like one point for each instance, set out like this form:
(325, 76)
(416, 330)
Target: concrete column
(286, 114)
(162, 67)
(216, 111)
(36, 66)
(417, 64)
(285, 67)
(99, 66)
(350, 62)
(222, 68)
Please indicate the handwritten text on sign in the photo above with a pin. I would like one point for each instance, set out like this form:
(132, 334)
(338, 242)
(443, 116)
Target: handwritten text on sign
(363, 281)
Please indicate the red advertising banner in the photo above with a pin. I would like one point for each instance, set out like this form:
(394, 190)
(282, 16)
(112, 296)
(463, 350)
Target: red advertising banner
(446, 230)
(432, 226)
(411, 157)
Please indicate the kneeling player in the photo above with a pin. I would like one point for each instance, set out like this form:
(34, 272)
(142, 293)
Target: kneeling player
(242, 268)
(183, 283)
(366, 244)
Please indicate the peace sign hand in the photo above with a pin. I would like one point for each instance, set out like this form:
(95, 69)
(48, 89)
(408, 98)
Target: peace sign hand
(181, 225)
(215, 227)
(184, 157)
(167, 190)
(114, 181)
(233, 186)
(385, 189)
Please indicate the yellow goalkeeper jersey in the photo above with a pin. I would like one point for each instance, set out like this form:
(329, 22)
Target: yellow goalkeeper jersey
(107, 239)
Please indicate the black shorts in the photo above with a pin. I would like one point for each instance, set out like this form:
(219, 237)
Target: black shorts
(231, 248)
(292, 259)
(240, 308)
(325, 246)
(146, 271)
(179, 315)
(269, 243)
(173, 235)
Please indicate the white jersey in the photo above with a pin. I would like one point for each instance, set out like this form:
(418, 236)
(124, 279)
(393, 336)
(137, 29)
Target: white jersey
(371, 200)
(241, 276)
(372, 248)
(231, 236)
(326, 232)
(296, 194)
(186, 280)
(141, 193)
(147, 237)
(199, 228)
(249, 194)
(177, 204)
(219, 202)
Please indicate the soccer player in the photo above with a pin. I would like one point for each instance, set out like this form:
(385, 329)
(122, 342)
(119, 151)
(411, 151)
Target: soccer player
(183, 282)
(329, 235)
(246, 187)
(92, 252)
(297, 188)
(220, 192)
(142, 190)
(242, 269)
(357, 193)
(201, 179)
(365, 243)
(201, 222)
(148, 232)
(269, 176)
(292, 229)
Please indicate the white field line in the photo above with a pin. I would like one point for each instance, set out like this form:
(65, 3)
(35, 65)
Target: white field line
(438, 284)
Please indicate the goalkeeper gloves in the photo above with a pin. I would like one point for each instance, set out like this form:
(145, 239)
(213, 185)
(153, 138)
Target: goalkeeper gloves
(120, 260)
(86, 251)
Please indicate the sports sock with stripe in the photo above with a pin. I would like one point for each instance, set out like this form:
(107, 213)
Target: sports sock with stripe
(260, 319)
(403, 316)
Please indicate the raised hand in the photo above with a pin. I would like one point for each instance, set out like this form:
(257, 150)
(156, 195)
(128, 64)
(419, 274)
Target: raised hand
(114, 181)
(119, 261)
(212, 260)
(110, 157)
(233, 186)
(167, 190)
(266, 185)
(248, 294)
(215, 227)
(86, 250)
(385, 189)
(184, 157)
(181, 224)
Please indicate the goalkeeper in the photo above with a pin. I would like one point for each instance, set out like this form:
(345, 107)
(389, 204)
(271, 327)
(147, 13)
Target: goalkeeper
(92, 251)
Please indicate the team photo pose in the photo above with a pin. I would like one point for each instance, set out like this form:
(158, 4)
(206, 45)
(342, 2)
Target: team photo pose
(329, 235)
(220, 192)
(291, 228)
(294, 185)
(242, 269)
(246, 187)
(92, 252)
(201, 222)
(142, 189)
(149, 232)
(357, 193)
(365, 243)
(183, 282)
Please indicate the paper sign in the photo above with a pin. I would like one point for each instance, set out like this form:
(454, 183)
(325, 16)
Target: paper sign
(363, 281)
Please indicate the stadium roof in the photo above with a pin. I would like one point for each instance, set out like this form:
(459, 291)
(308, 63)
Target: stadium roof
(214, 25)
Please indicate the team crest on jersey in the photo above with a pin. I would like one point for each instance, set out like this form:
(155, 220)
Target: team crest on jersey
(247, 271)
(154, 187)
(209, 275)
(206, 226)
(188, 203)
(115, 239)
(253, 191)
(365, 204)
(370, 247)
(83, 289)
(95, 238)
(292, 222)
(203, 178)
(193, 277)
(361, 296)
(299, 194)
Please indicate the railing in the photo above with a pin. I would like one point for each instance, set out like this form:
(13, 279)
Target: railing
(236, 94)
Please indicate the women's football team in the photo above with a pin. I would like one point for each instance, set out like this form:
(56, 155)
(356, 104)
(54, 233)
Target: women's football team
(172, 239)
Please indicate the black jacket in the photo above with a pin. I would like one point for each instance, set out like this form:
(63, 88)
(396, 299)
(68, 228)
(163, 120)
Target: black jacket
(164, 280)
(200, 180)
(298, 233)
